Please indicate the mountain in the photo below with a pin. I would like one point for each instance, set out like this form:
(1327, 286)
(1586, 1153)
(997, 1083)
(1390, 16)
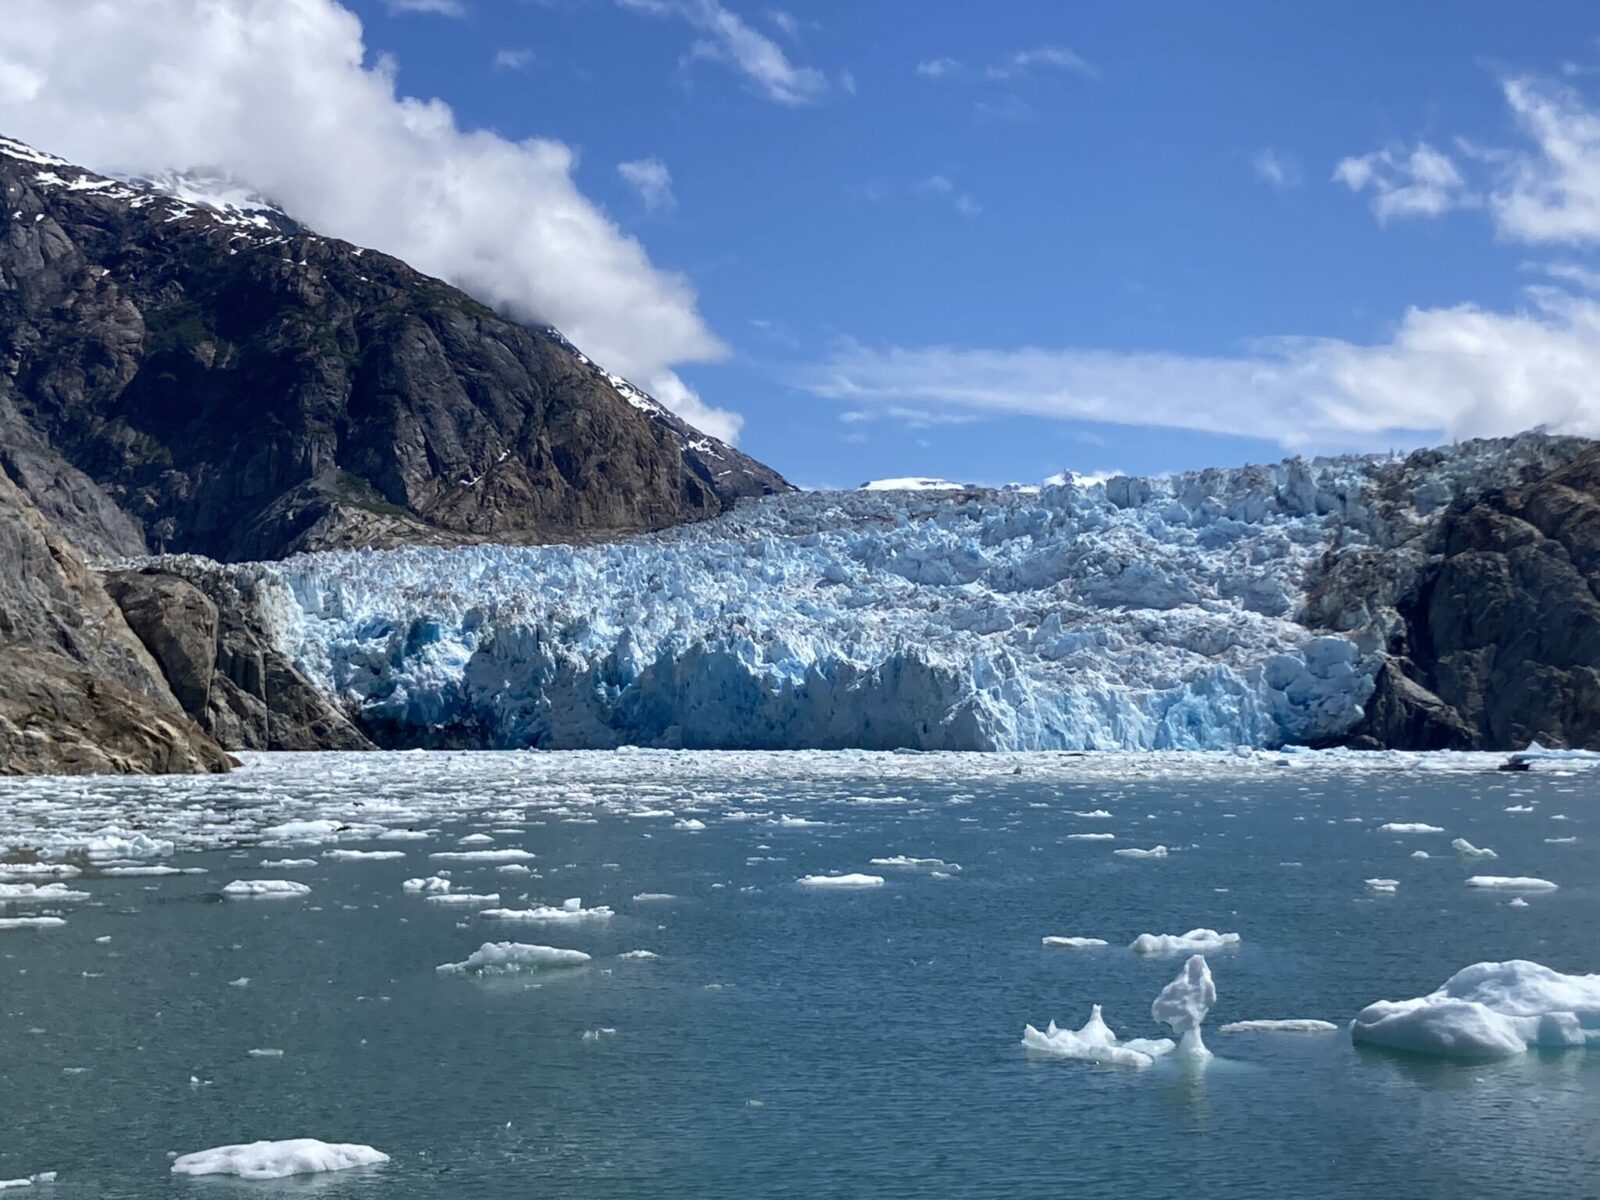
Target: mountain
(185, 368)
(1450, 599)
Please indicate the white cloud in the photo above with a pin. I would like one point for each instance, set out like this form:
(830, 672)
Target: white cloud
(1446, 372)
(938, 68)
(1421, 182)
(683, 400)
(1278, 171)
(728, 39)
(276, 92)
(512, 59)
(1024, 61)
(437, 8)
(651, 179)
(786, 22)
(941, 185)
(1554, 194)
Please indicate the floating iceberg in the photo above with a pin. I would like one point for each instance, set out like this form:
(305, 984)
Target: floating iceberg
(431, 883)
(1135, 852)
(1286, 1025)
(1095, 1042)
(483, 856)
(1091, 837)
(1409, 827)
(1073, 943)
(287, 864)
(913, 864)
(1512, 883)
(268, 888)
(1383, 885)
(841, 881)
(31, 922)
(502, 958)
(38, 893)
(277, 1160)
(1487, 1010)
(465, 898)
(363, 855)
(1196, 941)
(1467, 850)
(570, 911)
(1183, 1005)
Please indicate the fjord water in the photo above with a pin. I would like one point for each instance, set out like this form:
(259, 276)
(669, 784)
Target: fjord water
(789, 1040)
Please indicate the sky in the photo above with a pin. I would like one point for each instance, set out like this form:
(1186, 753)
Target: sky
(915, 237)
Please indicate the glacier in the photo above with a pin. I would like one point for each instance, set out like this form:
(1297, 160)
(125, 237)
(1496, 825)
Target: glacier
(1160, 613)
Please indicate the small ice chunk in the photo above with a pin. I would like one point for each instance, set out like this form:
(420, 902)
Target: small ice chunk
(594, 1035)
(1196, 941)
(476, 839)
(1095, 1042)
(301, 831)
(265, 1053)
(1420, 854)
(1091, 837)
(913, 864)
(1286, 1025)
(500, 958)
(1467, 850)
(487, 856)
(277, 1160)
(1409, 827)
(639, 954)
(287, 864)
(1512, 883)
(841, 881)
(363, 855)
(463, 898)
(270, 888)
(570, 911)
(653, 897)
(1517, 902)
(432, 883)
(1073, 943)
(31, 922)
(38, 893)
(1135, 852)
(514, 869)
(1183, 1005)
(689, 824)
(152, 871)
(1098, 814)
(1383, 885)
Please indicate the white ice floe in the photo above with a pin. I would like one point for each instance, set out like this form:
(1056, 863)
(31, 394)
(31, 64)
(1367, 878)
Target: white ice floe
(1420, 854)
(277, 1160)
(1095, 1042)
(1382, 885)
(1409, 827)
(483, 856)
(302, 831)
(1286, 1025)
(1135, 852)
(1512, 883)
(270, 888)
(653, 897)
(1091, 837)
(363, 855)
(479, 898)
(38, 893)
(28, 1180)
(432, 883)
(1183, 1005)
(1487, 1010)
(841, 881)
(689, 824)
(570, 910)
(1097, 814)
(913, 864)
(594, 1035)
(32, 870)
(1196, 941)
(1073, 943)
(638, 954)
(1562, 841)
(287, 864)
(1467, 850)
(499, 958)
(265, 1052)
(114, 843)
(1517, 902)
(476, 839)
(31, 922)
(152, 871)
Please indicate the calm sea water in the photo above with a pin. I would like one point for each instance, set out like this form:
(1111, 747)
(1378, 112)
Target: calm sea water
(792, 1041)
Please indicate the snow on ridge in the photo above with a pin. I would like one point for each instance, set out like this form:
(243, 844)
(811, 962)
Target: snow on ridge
(1137, 614)
(912, 483)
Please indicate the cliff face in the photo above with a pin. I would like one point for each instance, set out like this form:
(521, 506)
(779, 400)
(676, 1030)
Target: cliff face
(78, 692)
(178, 377)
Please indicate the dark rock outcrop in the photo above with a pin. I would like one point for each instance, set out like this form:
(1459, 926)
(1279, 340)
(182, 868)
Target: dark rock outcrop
(1496, 636)
(78, 691)
(205, 629)
(243, 388)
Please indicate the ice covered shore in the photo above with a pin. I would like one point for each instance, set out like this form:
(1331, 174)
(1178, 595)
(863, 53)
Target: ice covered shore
(1133, 614)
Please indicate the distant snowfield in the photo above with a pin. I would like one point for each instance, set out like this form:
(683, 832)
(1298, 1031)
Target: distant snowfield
(1123, 614)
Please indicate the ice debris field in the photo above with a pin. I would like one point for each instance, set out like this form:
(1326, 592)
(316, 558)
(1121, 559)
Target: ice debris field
(1124, 614)
(625, 888)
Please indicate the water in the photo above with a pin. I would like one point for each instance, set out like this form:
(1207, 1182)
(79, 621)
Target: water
(791, 1041)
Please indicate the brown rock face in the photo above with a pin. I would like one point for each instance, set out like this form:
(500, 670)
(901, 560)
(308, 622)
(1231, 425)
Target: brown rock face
(246, 393)
(78, 691)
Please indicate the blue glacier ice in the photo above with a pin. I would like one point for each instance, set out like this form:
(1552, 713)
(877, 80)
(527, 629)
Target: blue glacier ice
(1131, 613)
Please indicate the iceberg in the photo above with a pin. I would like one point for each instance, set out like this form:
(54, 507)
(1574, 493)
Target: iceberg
(570, 911)
(840, 881)
(1204, 941)
(1183, 1005)
(1073, 943)
(431, 883)
(502, 958)
(268, 888)
(1135, 852)
(277, 1160)
(1284, 1025)
(41, 893)
(1489, 1010)
(1409, 827)
(1095, 1042)
(1467, 850)
(1512, 883)
(363, 855)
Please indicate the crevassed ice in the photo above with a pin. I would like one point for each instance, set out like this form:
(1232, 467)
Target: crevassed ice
(1135, 614)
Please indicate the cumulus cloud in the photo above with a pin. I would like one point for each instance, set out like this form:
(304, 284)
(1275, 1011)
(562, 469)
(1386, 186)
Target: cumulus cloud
(651, 179)
(1452, 372)
(1551, 194)
(1420, 182)
(681, 399)
(281, 93)
(728, 39)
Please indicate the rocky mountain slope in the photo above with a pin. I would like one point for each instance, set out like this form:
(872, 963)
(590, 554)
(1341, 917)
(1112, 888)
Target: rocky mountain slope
(183, 374)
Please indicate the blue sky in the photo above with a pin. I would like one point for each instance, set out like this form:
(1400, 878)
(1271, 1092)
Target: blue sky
(997, 243)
